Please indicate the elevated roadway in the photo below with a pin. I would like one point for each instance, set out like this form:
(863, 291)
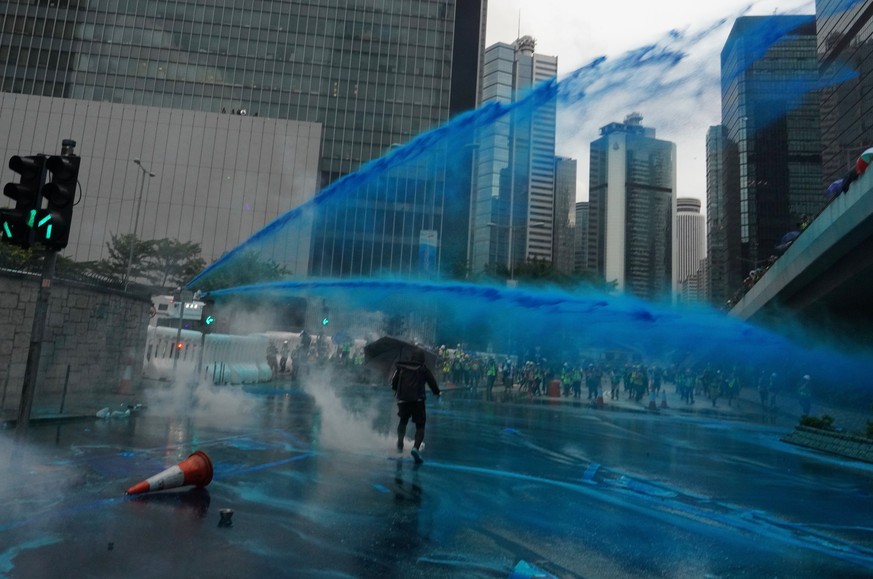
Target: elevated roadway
(826, 276)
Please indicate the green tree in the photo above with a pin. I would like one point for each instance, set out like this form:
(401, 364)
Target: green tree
(173, 262)
(246, 268)
(118, 248)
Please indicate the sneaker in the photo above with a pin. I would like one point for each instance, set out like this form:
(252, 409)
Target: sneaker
(416, 455)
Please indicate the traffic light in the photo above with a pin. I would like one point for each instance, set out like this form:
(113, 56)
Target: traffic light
(16, 223)
(52, 224)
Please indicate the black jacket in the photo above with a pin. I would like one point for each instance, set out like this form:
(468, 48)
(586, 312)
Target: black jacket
(409, 380)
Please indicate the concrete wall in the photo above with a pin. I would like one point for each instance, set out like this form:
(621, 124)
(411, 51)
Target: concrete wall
(96, 331)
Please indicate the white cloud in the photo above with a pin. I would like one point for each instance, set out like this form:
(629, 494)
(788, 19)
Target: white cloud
(578, 31)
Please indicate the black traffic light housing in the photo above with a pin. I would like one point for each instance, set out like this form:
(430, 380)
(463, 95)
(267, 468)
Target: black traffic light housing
(52, 224)
(16, 224)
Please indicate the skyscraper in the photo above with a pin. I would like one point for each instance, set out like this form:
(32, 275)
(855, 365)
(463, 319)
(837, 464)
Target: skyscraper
(514, 204)
(373, 74)
(771, 172)
(717, 203)
(690, 239)
(632, 201)
(845, 43)
(580, 234)
(565, 201)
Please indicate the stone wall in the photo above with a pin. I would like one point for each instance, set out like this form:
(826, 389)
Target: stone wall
(98, 332)
(841, 443)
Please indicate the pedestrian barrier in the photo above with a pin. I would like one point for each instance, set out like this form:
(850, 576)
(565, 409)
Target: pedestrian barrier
(163, 347)
(225, 359)
(195, 470)
(229, 359)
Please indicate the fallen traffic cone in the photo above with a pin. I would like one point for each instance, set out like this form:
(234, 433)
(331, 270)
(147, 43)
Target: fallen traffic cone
(195, 470)
(663, 399)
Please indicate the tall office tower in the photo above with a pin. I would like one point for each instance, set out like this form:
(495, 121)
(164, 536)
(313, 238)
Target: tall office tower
(718, 148)
(632, 204)
(514, 203)
(580, 245)
(373, 74)
(772, 158)
(690, 240)
(845, 40)
(565, 201)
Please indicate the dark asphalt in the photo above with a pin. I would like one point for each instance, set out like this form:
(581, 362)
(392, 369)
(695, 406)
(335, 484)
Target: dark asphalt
(317, 490)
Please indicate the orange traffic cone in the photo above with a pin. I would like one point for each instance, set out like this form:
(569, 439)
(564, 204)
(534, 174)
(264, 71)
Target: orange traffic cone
(663, 399)
(652, 405)
(598, 402)
(195, 470)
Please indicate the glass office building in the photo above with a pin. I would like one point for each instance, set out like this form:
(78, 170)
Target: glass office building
(373, 73)
(632, 204)
(513, 210)
(772, 155)
(845, 46)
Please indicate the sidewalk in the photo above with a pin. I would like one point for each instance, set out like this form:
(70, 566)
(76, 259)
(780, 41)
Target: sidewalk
(75, 407)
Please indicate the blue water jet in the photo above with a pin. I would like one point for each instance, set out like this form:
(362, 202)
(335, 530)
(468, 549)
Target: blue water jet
(559, 323)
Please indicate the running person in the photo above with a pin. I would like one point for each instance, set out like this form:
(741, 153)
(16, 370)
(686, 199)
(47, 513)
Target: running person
(408, 383)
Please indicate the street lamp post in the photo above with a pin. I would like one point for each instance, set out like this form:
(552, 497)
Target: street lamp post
(136, 219)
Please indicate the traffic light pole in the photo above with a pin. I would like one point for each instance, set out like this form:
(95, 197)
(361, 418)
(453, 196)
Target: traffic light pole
(37, 332)
(40, 317)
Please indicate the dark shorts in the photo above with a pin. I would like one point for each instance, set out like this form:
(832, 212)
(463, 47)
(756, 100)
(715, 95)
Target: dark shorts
(414, 410)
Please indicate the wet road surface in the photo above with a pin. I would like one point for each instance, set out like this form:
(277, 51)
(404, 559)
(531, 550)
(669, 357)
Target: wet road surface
(318, 490)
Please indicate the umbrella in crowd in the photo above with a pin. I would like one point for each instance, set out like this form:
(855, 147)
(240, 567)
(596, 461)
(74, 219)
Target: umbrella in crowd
(388, 350)
(834, 189)
(864, 161)
(787, 240)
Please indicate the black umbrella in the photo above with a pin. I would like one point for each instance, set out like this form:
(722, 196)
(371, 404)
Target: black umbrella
(388, 350)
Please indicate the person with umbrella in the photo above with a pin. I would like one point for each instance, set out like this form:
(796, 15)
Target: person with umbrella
(408, 383)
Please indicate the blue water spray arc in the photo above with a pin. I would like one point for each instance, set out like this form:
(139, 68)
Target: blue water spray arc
(560, 322)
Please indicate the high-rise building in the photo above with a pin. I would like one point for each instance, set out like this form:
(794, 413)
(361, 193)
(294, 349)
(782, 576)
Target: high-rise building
(717, 191)
(632, 204)
(845, 46)
(690, 241)
(514, 205)
(205, 177)
(565, 200)
(373, 74)
(580, 234)
(771, 173)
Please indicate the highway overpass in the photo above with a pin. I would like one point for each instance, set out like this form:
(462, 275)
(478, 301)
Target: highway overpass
(826, 276)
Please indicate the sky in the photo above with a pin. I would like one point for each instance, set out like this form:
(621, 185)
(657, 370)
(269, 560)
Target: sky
(578, 31)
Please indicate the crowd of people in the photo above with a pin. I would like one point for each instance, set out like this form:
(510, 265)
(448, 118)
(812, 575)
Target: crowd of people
(583, 379)
(610, 380)
(834, 190)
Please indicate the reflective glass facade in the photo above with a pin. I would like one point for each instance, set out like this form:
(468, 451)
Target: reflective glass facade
(372, 72)
(217, 178)
(632, 200)
(845, 48)
(770, 114)
(513, 210)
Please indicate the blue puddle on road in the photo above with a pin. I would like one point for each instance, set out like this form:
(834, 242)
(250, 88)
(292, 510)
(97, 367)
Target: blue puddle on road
(670, 504)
